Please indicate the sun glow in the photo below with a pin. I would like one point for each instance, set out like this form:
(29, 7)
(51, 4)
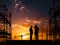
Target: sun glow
(26, 37)
(19, 30)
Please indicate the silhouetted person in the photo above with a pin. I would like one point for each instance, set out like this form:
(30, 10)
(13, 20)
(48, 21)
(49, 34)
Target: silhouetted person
(31, 32)
(36, 32)
(21, 37)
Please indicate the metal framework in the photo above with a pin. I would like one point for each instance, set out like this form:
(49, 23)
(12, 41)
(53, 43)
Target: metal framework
(54, 23)
(5, 23)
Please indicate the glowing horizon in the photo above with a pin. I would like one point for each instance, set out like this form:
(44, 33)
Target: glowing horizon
(22, 29)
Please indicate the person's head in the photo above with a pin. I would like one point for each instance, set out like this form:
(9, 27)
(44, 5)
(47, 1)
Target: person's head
(31, 26)
(36, 25)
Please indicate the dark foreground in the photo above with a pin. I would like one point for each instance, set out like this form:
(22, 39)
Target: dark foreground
(33, 42)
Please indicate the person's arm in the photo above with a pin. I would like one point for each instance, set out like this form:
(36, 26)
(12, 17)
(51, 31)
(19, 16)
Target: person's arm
(38, 29)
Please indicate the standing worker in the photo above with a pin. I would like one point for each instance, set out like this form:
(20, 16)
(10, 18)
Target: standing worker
(31, 32)
(36, 32)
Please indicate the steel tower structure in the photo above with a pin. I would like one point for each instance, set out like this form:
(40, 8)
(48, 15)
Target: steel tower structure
(5, 24)
(54, 21)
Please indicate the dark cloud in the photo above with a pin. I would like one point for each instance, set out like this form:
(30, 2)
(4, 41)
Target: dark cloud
(38, 5)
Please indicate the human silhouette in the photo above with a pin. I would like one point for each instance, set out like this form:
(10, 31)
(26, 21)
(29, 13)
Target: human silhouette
(36, 32)
(31, 32)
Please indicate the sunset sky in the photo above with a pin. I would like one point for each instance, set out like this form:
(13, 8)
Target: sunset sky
(26, 13)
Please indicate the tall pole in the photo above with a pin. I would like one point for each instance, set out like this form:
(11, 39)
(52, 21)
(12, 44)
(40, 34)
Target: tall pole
(55, 21)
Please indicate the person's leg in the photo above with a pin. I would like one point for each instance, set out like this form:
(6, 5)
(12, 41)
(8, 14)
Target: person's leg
(37, 37)
(31, 37)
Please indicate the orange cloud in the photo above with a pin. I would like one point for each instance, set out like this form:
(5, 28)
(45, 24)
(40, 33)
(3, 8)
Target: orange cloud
(33, 21)
(36, 22)
(28, 20)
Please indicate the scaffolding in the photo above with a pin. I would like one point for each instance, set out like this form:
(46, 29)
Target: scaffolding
(54, 23)
(5, 24)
